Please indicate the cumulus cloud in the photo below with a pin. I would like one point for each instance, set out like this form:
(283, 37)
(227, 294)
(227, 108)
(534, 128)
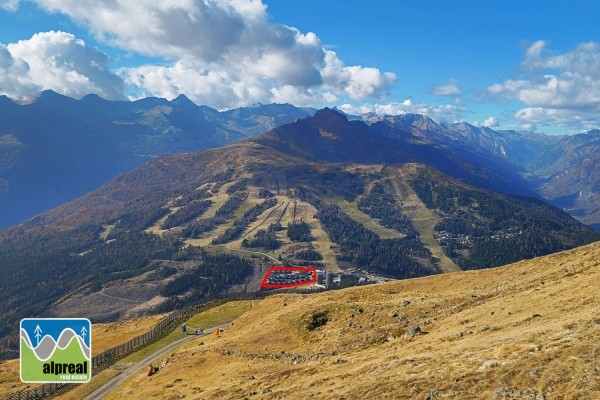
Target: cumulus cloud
(490, 122)
(562, 89)
(450, 89)
(532, 117)
(451, 112)
(222, 53)
(57, 61)
(205, 29)
(14, 72)
(355, 81)
(567, 91)
(219, 88)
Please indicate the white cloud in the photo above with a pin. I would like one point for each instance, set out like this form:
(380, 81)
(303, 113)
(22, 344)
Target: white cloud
(490, 122)
(452, 112)
(205, 29)
(301, 97)
(559, 88)
(450, 89)
(356, 82)
(223, 53)
(9, 5)
(218, 88)
(584, 59)
(566, 91)
(57, 61)
(533, 117)
(14, 81)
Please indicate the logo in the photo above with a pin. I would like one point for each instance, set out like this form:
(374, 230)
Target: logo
(56, 350)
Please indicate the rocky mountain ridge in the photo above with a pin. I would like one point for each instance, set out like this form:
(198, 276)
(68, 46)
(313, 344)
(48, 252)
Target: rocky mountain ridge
(58, 148)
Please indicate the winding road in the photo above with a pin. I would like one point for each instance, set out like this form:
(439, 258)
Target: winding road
(135, 368)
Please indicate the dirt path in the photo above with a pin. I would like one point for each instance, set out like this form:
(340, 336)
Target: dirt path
(101, 293)
(276, 261)
(135, 368)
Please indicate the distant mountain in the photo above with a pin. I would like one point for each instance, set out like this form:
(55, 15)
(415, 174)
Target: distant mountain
(520, 148)
(57, 148)
(561, 169)
(323, 191)
(331, 137)
(569, 176)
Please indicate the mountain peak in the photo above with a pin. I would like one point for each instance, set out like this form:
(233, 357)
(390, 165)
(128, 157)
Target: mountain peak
(6, 101)
(51, 94)
(91, 97)
(330, 115)
(183, 100)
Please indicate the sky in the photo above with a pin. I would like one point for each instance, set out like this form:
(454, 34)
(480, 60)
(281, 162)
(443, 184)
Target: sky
(506, 64)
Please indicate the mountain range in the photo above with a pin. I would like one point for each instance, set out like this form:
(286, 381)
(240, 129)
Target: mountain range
(57, 148)
(344, 196)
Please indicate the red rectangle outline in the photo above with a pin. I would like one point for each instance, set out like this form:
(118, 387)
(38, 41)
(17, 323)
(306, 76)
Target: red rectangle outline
(265, 285)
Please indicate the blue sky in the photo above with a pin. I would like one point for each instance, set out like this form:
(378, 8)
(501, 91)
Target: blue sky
(507, 64)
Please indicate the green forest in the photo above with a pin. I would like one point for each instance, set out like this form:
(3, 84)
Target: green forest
(362, 248)
(487, 229)
(39, 271)
(381, 203)
(208, 278)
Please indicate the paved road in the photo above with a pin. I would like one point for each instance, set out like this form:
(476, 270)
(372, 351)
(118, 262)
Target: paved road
(135, 368)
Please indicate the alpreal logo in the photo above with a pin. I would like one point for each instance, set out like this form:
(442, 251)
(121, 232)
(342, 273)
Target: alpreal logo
(56, 350)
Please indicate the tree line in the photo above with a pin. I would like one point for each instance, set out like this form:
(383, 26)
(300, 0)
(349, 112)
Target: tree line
(239, 225)
(199, 226)
(497, 229)
(381, 203)
(208, 278)
(364, 249)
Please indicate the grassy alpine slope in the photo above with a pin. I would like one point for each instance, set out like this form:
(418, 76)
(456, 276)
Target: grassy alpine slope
(527, 330)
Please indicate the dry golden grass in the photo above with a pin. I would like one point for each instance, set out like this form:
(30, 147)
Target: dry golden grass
(105, 336)
(525, 330)
(10, 378)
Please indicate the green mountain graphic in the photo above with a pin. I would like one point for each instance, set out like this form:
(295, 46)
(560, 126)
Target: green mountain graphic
(32, 369)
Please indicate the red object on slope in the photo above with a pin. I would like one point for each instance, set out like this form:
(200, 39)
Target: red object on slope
(285, 277)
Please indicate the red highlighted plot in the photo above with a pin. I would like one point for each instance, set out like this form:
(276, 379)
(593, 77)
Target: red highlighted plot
(286, 277)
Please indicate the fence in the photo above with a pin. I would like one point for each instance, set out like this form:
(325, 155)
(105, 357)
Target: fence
(160, 330)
